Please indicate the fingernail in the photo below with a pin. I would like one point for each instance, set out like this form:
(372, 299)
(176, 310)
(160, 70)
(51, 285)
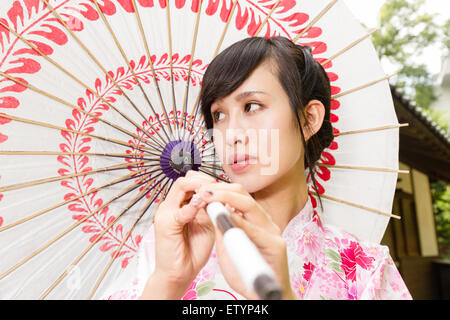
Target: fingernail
(229, 208)
(195, 200)
(207, 194)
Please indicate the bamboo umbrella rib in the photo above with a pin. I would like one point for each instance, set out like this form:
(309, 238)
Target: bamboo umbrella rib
(339, 95)
(200, 145)
(211, 155)
(222, 36)
(356, 205)
(51, 126)
(315, 20)
(132, 175)
(350, 46)
(203, 152)
(52, 153)
(208, 148)
(59, 178)
(212, 174)
(149, 57)
(158, 168)
(119, 46)
(194, 44)
(133, 202)
(363, 168)
(216, 52)
(169, 34)
(200, 140)
(395, 126)
(50, 96)
(59, 236)
(193, 123)
(198, 130)
(211, 166)
(215, 163)
(266, 18)
(73, 77)
(97, 62)
(152, 198)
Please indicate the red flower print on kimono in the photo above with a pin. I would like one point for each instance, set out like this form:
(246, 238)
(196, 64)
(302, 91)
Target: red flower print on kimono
(354, 255)
(309, 268)
(300, 280)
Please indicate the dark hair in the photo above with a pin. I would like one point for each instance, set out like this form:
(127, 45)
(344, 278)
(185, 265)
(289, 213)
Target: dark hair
(302, 78)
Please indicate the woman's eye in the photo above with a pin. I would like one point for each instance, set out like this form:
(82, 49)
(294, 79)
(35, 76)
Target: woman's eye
(218, 116)
(251, 107)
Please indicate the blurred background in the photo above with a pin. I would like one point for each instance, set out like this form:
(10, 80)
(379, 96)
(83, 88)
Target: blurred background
(413, 39)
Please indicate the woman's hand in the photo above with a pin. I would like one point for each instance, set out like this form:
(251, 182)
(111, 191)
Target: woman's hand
(184, 237)
(248, 215)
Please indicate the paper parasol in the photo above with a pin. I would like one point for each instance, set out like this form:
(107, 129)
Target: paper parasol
(99, 115)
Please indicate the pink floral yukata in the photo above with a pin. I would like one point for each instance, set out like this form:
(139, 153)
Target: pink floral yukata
(324, 263)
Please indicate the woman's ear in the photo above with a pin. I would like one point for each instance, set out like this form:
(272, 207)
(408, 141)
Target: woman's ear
(314, 113)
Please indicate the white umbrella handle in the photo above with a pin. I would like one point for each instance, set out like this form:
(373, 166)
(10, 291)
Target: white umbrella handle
(253, 269)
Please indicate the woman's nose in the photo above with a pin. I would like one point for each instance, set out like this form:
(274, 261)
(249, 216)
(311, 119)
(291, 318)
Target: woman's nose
(236, 136)
(236, 132)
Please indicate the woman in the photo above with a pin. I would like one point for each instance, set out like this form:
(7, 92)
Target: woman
(254, 89)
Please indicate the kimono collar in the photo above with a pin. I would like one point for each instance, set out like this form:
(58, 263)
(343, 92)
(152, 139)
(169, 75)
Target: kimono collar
(304, 217)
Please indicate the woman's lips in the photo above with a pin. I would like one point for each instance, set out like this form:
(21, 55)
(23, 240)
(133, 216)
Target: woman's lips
(241, 163)
(240, 166)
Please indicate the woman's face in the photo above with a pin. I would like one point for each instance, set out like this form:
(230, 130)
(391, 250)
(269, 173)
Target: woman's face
(255, 131)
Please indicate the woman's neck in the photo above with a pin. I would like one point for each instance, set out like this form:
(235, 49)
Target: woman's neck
(284, 198)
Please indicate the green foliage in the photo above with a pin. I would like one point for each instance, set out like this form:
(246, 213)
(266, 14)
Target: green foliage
(441, 117)
(440, 192)
(405, 32)
(446, 32)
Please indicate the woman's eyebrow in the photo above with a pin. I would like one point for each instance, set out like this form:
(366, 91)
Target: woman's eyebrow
(239, 97)
(246, 94)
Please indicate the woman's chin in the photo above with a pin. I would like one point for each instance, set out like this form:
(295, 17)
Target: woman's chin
(251, 180)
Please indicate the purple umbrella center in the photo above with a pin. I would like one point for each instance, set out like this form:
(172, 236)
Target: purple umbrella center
(178, 158)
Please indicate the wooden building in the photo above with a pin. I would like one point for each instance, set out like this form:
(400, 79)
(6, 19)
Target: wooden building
(425, 152)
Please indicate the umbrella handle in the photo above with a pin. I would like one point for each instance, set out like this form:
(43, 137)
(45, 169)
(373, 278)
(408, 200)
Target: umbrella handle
(253, 269)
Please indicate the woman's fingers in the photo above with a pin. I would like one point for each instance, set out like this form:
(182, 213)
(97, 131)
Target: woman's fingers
(256, 234)
(188, 212)
(240, 200)
(228, 193)
(189, 183)
(179, 194)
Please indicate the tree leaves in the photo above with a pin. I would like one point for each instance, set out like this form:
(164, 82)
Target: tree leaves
(406, 30)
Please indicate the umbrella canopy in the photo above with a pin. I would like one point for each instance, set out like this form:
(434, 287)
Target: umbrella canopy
(99, 115)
